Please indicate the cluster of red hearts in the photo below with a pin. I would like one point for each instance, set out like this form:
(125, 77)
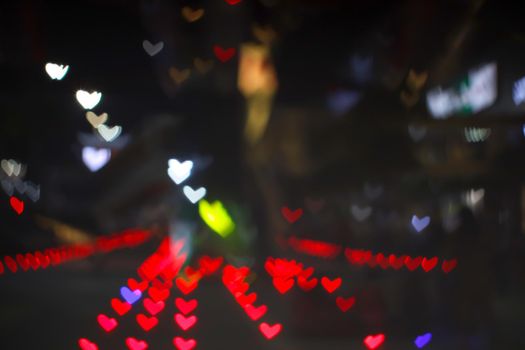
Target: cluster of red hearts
(157, 273)
(56, 256)
(284, 273)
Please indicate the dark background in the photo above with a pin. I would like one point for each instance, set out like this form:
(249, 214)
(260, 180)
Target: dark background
(308, 151)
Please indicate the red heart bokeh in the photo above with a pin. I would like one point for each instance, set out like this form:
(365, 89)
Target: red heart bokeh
(223, 55)
(17, 205)
(331, 285)
(134, 344)
(255, 313)
(184, 344)
(107, 324)
(120, 307)
(153, 307)
(86, 344)
(345, 304)
(185, 322)
(270, 331)
(147, 323)
(186, 306)
(291, 216)
(374, 341)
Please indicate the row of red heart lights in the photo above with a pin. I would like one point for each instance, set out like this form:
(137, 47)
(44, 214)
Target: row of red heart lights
(56, 256)
(234, 279)
(361, 257)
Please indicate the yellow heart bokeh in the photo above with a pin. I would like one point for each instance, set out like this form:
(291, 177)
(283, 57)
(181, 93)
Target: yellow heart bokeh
(216, 217)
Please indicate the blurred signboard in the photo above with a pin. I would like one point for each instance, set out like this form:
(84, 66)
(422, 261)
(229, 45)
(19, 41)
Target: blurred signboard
(474, 93)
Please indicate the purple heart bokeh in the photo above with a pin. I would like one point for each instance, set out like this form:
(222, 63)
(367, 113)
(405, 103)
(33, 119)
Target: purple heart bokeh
(420, 224)
(130, 296)
(423, 340)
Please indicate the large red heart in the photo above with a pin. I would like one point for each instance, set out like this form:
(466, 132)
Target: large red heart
(331, 285)
(86, 344)
(134, 344)
(185, 286)
(291, 216)
(147, 323)
(412, 263)
(134, 285)
(185, 322)
(224, 55)
(374, 341)
(17, 205)
(269, 331)
(210, 265)
(283, 285)
(120, 307)
(107, 324)
(429, 264)
(255, 313)
(186, 306)
(158, 294)
(153, 307)
(184, 344)
(306, 285)
(449, 265)
(345, 304)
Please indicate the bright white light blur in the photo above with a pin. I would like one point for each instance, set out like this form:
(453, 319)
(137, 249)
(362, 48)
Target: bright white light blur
(473, 198)
(194, 195)
(55, 71)
(95, 158)
(88, 100)
(477, 92)
(178, 171)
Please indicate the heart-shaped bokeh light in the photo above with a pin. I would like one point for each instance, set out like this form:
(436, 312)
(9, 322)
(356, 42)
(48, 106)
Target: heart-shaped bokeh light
(88, 100)
(95, 158)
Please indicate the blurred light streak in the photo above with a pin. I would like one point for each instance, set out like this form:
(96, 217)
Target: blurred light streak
(216, 217)
(258, 83)
(315, 248)
(475, 135)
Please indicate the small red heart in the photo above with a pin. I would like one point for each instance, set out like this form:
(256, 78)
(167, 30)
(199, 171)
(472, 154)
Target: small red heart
(120, 307)
(153, 307)
(307, 272)
(210, 265)
(184, 344)
(396, 262)
(306, 285)
(382, 261)
(86, 344)
(255, 313)
(291, 216)
(429, 264)
(107, 324)
(161, 285)
(11, 263)
(158, 294)
(269, 331)
(374, 341)
(185, 286)
(34, 263)
(331, 285)
(134, 344)
(17, 205)
(412, 263)
(134, 285)
(186, 306)
(245, 299)
(44, 259)
(185, 322)
(22, 261)
(1, 268)
(345, 304)
(224, 55)
(449, 265)
(283, 285)
(147, 323)
(233, 2)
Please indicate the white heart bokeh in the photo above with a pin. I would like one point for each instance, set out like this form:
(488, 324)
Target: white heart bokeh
(55, 71)
(178, 171)
(95, 158)
(88, 100)
(107, 133)
(194, 195)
